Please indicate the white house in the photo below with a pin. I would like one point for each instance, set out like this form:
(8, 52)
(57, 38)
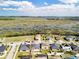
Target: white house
(69, 38)
(37, 38)
(66, 48)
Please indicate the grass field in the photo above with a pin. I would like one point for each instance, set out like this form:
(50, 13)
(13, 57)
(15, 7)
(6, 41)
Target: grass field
(18, 39)
(35, 22)
(23, 26)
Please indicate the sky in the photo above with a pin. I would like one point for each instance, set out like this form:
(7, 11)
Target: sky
(39, 7)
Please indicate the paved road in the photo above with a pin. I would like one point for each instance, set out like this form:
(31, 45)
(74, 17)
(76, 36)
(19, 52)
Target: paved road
(11, 53)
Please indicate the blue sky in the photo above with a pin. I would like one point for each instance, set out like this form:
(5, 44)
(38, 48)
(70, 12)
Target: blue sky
(41, 2)
(39, 8)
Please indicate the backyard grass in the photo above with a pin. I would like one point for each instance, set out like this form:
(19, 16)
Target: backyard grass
(66, 55)
(18, 39)
(2, 57)
(44, 51)
(24, 38)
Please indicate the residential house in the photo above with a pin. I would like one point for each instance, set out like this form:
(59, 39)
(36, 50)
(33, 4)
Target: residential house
(59, 53)
(53, 57)
(57, 37)
(35, 47)
(69, 38)
(45, 46)
(24, 47)
(54, 46)
(41, 56)
(25, 57)
(77, 38)
(74, 47)
(2, 49)
(55, 53)
(71, 57)
(77, 55)
(66, 47)
(37, 38)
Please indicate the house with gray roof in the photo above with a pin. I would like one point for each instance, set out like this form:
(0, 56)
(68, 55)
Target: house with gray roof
(74, 47)
(25, 57)
(41, 56)
(2, 49)
(54, 46)
(24, 47)
(36, 47)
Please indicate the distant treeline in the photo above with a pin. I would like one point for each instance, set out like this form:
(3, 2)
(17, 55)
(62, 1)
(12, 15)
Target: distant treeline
(7, 19)
(63, 18)
(46, 17)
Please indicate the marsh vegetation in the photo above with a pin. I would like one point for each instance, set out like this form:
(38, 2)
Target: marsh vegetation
(20, 26)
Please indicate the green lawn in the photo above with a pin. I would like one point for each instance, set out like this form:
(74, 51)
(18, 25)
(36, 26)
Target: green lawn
(18, 39)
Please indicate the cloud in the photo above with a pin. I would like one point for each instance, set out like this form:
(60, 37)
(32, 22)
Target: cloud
(69, 1)
(54, 9)
(68, 9)
(9, 9)
(17, 3)
(45, 3)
